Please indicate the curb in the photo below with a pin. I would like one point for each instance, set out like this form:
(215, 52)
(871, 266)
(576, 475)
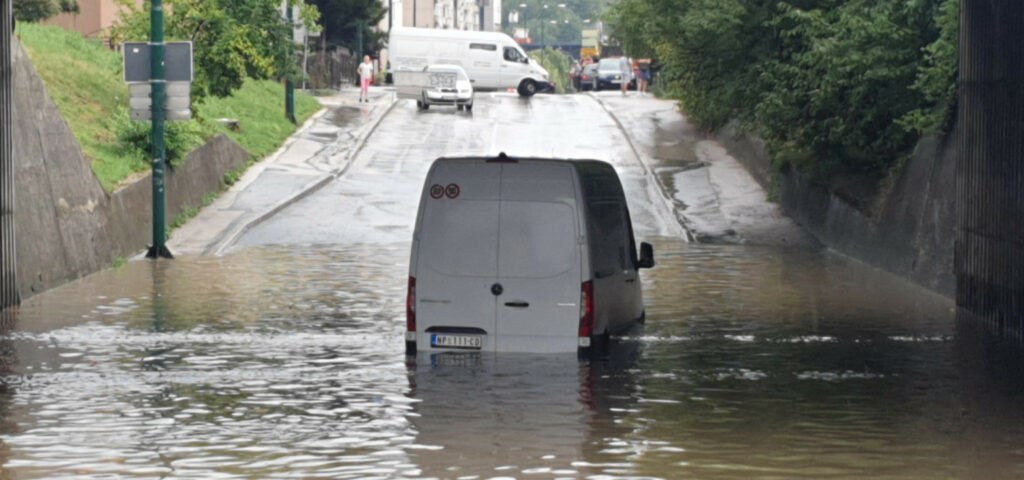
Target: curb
(218, 248)
(686, 233)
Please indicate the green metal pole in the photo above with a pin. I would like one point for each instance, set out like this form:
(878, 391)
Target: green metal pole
(359, 41)
(289, 86)
(157, 108)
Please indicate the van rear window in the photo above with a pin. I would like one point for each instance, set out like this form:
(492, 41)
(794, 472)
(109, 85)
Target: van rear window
(538, 239)
(460, 237)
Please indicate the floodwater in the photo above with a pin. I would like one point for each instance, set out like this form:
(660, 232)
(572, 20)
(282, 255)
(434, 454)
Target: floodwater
(289, 362)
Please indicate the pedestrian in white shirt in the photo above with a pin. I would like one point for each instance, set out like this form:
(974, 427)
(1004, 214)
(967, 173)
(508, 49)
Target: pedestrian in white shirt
(365, 76)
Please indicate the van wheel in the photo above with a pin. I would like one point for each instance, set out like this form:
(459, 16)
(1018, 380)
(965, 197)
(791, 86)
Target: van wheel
(527, 88)
(419, 105)
(643, 317)
(469, 108)
(598, 348)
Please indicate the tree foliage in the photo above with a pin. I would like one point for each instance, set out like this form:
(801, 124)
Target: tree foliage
(561, 23)
(231, 39)
(344, 20)
(830, 85)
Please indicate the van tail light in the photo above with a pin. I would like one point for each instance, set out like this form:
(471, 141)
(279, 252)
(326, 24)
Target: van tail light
(586, 313)
(410, 318)
(410, 309)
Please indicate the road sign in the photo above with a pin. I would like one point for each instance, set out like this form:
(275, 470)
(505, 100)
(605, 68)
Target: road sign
(177, 61)
(178, 101)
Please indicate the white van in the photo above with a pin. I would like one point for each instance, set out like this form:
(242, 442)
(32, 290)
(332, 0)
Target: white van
(492, 60)
(522, 255)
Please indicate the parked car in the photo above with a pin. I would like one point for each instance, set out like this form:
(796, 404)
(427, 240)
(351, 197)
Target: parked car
(609, 74)
(522, 255)
(438, 84)
(588, 78)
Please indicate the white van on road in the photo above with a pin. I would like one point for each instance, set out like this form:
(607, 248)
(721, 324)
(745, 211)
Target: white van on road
(522, 255)
(492, 60)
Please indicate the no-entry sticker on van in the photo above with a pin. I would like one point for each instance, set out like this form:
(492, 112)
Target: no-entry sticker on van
(438, 191)
(452, 190)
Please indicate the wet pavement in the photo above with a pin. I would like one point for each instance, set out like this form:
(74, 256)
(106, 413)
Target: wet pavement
(284, 356)
(320, 151)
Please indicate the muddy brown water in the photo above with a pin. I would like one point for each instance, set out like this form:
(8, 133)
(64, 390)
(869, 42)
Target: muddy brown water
(288, 362)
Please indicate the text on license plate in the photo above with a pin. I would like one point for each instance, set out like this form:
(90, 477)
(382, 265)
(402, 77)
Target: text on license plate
(456, 341)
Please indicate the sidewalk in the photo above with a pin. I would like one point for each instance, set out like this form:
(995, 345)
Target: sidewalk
(317, 153)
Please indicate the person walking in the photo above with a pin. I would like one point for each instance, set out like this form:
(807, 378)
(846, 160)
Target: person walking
(642, 71)
(626, 70)
(365, 75)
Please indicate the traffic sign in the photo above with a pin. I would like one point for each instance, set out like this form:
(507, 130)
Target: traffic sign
(177, 105)
(177, 62)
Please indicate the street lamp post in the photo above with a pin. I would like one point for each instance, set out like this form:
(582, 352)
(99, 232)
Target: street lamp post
(543, 21)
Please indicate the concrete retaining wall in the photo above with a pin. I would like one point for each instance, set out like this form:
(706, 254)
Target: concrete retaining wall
(912, 229)
(67, 225)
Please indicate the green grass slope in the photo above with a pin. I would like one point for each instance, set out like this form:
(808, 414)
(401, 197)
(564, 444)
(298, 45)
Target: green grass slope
(86, 82)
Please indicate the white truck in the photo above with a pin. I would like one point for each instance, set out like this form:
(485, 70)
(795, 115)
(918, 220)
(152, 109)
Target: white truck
(492, 60)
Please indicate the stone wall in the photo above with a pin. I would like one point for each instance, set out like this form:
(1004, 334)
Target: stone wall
(67, 225)
(912, 227)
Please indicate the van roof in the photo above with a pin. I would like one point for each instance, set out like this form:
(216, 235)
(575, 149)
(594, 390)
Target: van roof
(439, 33)
(504, 158)
(599, 178)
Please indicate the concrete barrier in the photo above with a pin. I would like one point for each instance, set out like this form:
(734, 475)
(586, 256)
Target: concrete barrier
(67, 225)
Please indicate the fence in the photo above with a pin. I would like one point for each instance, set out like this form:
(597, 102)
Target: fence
(331, 69)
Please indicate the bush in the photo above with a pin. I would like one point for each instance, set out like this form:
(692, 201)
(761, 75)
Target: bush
(557, 64)
(180, 137)
(832, 86)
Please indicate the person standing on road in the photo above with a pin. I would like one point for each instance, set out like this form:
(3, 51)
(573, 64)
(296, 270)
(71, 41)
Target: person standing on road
(626, 70)
(365, 75)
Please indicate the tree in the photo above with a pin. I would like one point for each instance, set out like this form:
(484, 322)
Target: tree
(343, 20)
(231, 39)
(39, 10)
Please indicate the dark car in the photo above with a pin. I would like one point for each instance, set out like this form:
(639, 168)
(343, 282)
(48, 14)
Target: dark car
(609, 74)
(588, 78)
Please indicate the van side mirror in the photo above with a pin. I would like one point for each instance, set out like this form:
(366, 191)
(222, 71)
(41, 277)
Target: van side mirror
(646, 255)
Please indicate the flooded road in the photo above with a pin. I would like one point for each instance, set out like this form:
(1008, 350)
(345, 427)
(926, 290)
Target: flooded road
(755, 362)
(284, 358)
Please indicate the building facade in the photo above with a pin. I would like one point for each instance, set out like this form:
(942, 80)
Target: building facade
(94, 19)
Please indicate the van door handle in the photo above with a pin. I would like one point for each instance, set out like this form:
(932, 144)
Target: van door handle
(630, 280)
(517, 304)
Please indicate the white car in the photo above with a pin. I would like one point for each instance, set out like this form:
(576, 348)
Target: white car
(445, 85)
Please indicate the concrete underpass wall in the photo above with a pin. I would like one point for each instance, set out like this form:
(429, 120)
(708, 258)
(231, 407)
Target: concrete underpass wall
(911, 229)
(67, 225)
(990, 191)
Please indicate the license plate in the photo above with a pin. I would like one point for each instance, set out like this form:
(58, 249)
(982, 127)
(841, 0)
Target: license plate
(456, 341)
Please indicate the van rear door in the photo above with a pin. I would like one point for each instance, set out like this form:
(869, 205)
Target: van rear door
(539, 265)
(457, 259)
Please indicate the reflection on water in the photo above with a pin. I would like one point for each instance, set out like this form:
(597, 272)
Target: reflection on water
(754, 363)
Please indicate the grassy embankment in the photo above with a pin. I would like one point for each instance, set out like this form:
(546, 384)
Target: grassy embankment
(86, 81)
